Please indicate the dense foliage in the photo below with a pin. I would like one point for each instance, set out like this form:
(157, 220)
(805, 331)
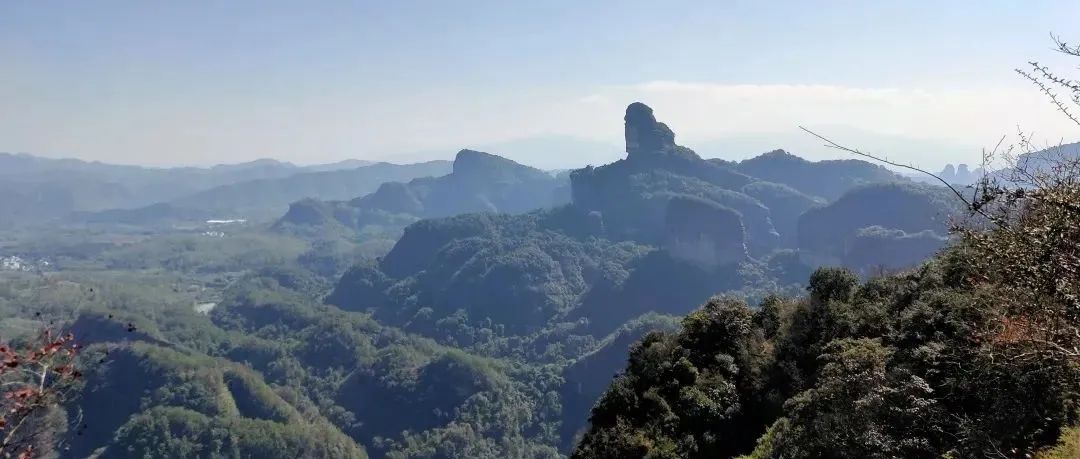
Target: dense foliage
(479, 182)
(37, 190)
(889, 214)
(973, 354)
(824, 179)
(362, 327)
(894, 367)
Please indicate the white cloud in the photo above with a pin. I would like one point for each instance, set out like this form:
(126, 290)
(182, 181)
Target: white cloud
(929, 126)
(960, 121)
(968, 116)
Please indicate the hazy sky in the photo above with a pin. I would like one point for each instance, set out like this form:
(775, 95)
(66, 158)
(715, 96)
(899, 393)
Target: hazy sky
(193, 82)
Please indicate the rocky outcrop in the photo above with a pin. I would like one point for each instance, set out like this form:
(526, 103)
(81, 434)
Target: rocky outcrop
(826, 233)
(394, 197)
(704, 233)
(785, 205)
(644, 135)
(632, 194)
(876, 247)
(825, 179)
(308, 212)
(479, 183)
(477, 165)
(961, 174)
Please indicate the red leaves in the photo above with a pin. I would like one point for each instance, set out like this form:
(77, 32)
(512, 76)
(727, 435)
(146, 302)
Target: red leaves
(67, 370)
(8, 358)
(34, 375)
(19, 402)
(21, 394)
(60, 346)
(51, 348)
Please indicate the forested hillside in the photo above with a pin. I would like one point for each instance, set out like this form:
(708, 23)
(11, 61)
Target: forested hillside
(656, 233)
(479, 182)
(262, 198)
(33, 189)
(471, 236)
(489, 328)
(970, 355)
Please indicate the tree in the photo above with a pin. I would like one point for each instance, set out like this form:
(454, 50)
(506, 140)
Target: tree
(35, 377)
(1051, 83)
(1022, 240)
(862, 407)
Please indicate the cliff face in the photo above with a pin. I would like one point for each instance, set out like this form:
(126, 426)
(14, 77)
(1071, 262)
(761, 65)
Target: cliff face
(704, 233)
(480, 182)
(827, 179)
(858, 229)
(646, 137)
(632, 195)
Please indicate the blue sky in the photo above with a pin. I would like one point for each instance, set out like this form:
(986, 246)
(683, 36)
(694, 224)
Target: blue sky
(154, 82)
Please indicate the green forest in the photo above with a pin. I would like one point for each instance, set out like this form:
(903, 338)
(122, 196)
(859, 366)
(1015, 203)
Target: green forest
(664, 305)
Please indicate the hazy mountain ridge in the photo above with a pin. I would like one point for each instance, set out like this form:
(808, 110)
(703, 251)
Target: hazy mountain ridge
(272, 195)
(265, 198)
(492, 325)
(478, 182)
(657, 232)
(35, 189)
(659, 197)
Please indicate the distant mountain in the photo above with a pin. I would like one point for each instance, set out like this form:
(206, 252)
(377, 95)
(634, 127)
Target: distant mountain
(555, 152)
(960, 174)
(1036, 161)
(659, 230)
(35, 189)
(1043, 161)
(262, 198)
(273, 195)
(479, 182)
(160, 214)
(345, 164)
(547, 152)
(632, 195)
(927, 153)
(895, 225)
(826, 179)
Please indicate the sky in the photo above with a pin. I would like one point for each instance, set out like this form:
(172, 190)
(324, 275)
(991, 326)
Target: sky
(201, 82)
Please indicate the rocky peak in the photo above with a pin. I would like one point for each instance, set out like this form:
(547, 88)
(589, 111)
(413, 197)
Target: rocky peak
(476, 164)
(471, 161)
(645, 135)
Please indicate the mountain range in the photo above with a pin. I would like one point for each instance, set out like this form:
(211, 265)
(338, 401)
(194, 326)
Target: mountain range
(489, 324)
(34, 190)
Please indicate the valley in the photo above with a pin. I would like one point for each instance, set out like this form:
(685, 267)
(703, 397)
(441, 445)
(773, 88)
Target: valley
(476, 313)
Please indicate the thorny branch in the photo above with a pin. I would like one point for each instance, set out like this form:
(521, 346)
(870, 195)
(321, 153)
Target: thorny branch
(971, 205)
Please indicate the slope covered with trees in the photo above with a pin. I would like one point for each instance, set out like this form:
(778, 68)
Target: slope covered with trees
(490, 328)
(658, 231)
(479, 182)
(972, 354)
(894, 225)
(932, 363)
(36, 189)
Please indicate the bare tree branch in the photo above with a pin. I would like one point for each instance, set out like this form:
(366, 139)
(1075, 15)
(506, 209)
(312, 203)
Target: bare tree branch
(971, 206)
(1049, 93)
